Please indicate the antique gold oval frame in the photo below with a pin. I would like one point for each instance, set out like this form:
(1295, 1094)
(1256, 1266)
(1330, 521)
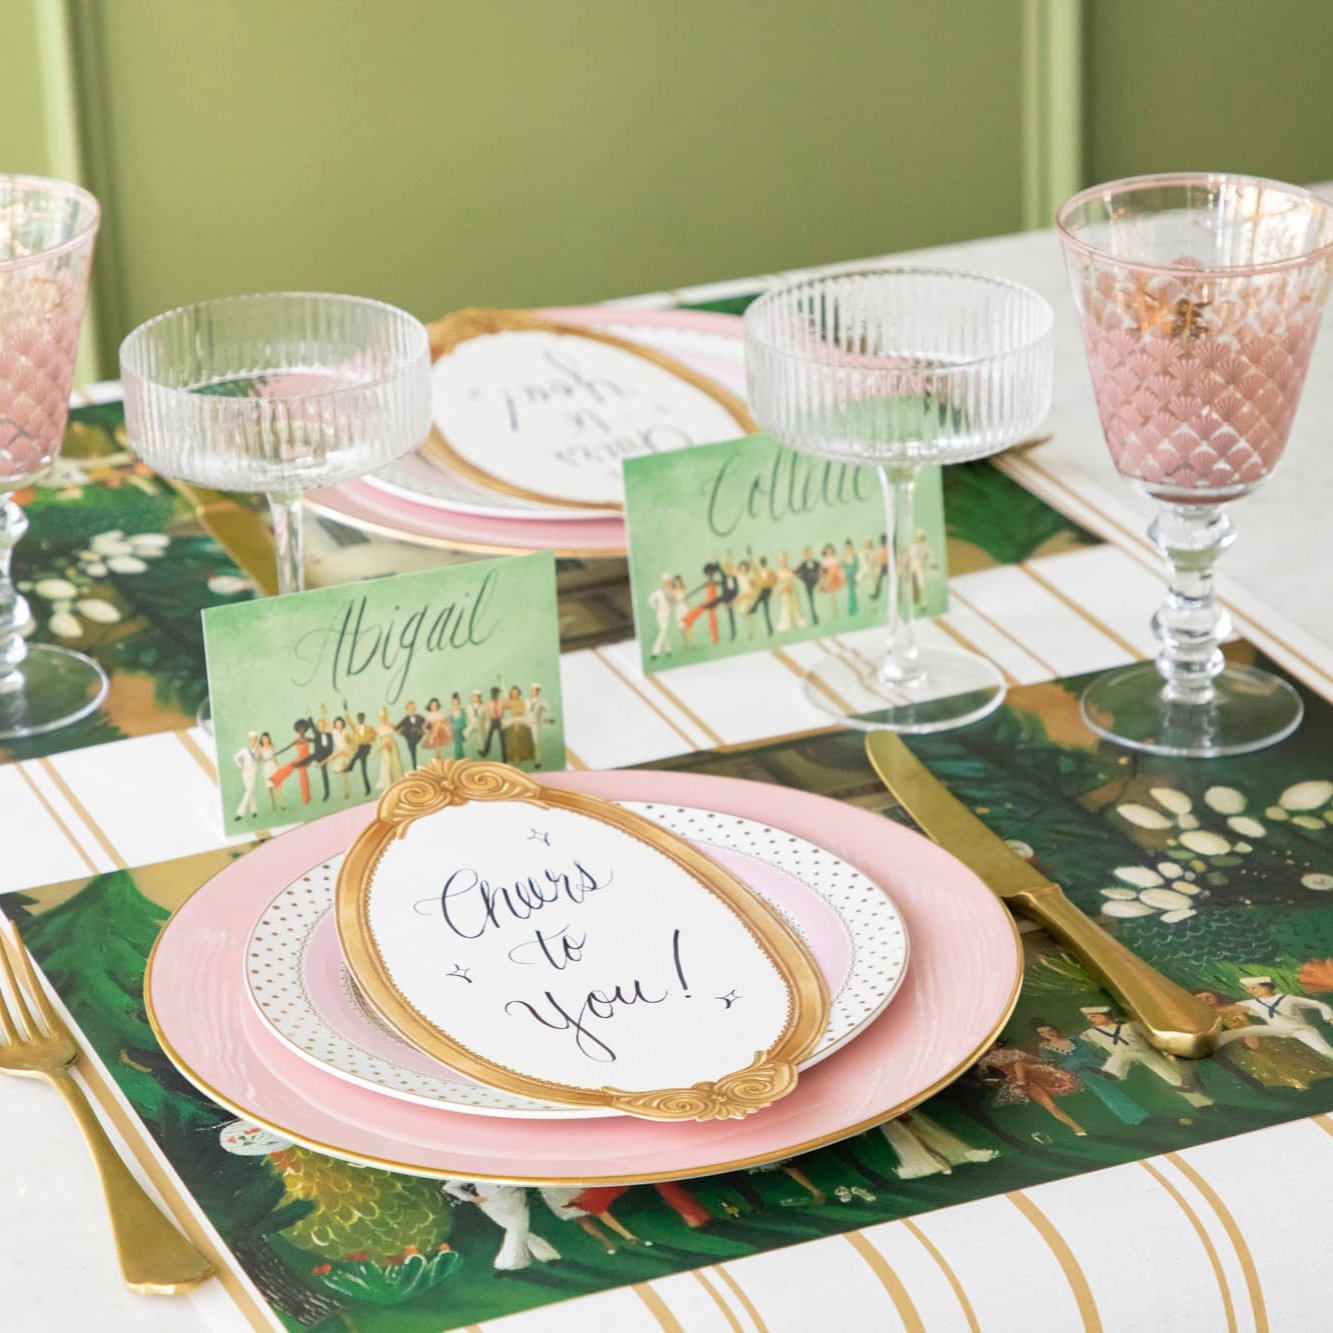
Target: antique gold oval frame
(440, 784)
(475, 322)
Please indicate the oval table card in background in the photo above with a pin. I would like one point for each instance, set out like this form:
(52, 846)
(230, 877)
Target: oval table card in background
(557, 946)
(545, 412)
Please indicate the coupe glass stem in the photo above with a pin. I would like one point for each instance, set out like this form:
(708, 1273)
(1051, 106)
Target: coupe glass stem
(901, 665)
(14, 613)
(288, 545)
(1190, 625)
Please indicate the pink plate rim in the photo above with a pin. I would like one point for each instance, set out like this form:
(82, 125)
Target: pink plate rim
(960, 989)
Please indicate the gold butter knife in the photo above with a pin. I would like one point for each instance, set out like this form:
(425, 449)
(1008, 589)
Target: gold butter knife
(1172, 1018)
(242, 533)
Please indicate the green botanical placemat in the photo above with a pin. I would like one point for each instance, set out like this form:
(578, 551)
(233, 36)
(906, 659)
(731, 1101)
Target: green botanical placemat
(1212, 871)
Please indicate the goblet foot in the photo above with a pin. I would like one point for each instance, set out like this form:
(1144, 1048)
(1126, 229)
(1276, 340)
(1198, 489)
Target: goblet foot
(59, 687)
(951, 690)
(1251, 709)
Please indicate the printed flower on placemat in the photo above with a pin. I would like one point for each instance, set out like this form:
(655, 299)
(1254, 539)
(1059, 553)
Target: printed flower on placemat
(66, 602)
(1194, 857)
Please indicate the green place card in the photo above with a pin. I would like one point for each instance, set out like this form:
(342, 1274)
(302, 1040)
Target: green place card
(320, 699)
(748, 545)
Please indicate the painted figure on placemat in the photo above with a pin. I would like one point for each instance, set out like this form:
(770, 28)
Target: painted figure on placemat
(1079, 1058)
(411, 727)
(519, 743)
(458, 723)
(659, 603)
(507, 1207)
(247, 760)
(809, 572)
(925, 1148)
(1028, 1078)
(1260, 1055)
(493, 720)
(386, 751)
(560, 1200)
(1287, 1014)
(1123, 1045)
(437, 734)
(362, 736)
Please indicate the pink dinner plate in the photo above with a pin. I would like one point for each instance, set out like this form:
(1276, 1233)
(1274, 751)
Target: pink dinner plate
(708, 343)
(959, 990)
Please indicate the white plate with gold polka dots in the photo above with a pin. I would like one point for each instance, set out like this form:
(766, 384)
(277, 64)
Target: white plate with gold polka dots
(300, 985)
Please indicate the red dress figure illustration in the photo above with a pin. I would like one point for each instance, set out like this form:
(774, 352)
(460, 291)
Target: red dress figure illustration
(712, 591)
(297, 765)
(598, 1200)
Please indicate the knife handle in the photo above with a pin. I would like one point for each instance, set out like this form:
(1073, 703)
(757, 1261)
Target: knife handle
(1174, 1020)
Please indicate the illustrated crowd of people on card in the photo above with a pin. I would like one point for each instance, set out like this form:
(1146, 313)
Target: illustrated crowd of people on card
(837, 581)
(353, 754)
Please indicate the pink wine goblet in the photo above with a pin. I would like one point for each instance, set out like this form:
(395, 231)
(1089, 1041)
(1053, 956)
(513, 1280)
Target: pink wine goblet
(1200, 298)
(47, 230)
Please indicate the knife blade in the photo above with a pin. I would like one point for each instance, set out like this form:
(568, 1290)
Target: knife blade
(240, 532)
(1173, 1019)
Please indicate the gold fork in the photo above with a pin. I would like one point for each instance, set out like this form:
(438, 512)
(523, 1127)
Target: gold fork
(155, 1259)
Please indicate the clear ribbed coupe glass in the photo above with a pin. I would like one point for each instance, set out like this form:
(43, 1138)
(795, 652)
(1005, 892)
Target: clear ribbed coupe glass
(279, 393)
(900, 368)
(1200, 297)
(47, 230)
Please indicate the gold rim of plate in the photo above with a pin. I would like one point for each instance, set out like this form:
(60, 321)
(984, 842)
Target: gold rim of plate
(475, 322)
(447, 784)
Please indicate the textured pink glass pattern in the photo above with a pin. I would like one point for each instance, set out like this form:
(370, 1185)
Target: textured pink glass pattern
(36, 370)
(1197, 376)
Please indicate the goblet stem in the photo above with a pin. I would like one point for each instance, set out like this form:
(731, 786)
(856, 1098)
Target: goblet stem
(901, 663)
(1190, 625)
(14, 612)
(288, 544)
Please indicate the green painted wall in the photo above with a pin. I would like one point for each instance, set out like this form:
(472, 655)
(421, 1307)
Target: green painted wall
(22, 127)
(449, 152)
(523, 151)
(1230, 85)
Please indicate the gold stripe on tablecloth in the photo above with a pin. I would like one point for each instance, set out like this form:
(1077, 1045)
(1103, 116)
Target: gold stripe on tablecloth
(1004, 633)
(888, 1279)
(946, 1268)
(718, 1299)
(1204, 1238)
(55, 815)
(746, 1303)
(1064, 1256)
(1081, 611)
(1236, 1235)
(643, 698)
(83, 813)
(197, 754)
(658, 1307)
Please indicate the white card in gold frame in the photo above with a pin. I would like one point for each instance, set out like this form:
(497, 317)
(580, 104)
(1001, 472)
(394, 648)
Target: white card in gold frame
(557, 946)
(544, 412)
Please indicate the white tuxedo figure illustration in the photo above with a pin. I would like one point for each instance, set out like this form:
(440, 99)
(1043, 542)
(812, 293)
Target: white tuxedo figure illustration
(507, 1207)
(660, 601)
(1285, 1016)
(247, 760)
(1125, 1046)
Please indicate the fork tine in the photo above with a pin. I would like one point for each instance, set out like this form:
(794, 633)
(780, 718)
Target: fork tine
(36, 991)
(15, 1014)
